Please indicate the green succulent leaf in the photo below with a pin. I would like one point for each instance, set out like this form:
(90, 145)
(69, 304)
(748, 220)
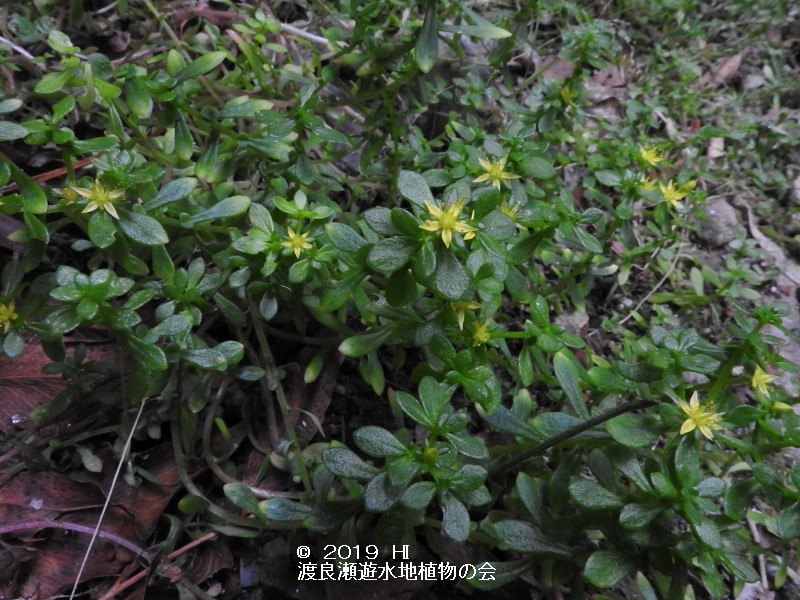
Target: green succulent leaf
(523, 537)
(606, 568)
(346, 463)
(377, 441)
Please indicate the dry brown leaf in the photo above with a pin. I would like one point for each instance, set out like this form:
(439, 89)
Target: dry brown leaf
(609, 110)
(147, 502)
(315, 398)
(59, 557)
(47, 492)
(727, 69)
(23, 385)
(49, 496)
(207, 559)
(597, 93)
(611, 76)
(552, 67)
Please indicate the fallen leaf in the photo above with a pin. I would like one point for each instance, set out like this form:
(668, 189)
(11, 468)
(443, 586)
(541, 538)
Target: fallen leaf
(314, 398)
(609, 110)
(50, 497)
(752, 81)
(23, 384)
(611, 76)
(59, 556)
(716, 147)
(727, 69)
(552, 67)
(207, 559)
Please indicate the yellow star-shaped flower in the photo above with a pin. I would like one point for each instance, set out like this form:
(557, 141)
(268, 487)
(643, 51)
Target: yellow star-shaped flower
(99, 197)
(704, 420)
(296, 242)
(495, 172)
(651, 155)
(482, 334)
(510, 210)
(568, 96)
(461, 307)
(7, 315)
(761, 381)
(646, 184)
(672, 193)
(447, 222)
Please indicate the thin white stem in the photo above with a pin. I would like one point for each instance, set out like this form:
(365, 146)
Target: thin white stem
(122, 458)
(285, 27)
(19, 49)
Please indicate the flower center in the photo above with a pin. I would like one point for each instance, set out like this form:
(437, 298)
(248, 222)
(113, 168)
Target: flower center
(448, 219)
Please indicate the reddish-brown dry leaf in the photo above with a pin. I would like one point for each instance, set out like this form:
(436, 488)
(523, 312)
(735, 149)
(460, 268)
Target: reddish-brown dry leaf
(606, 89)
(147, 502)
(599, 92)
(612, 76)
(23, 385)
(552, 67)
(48, 492)
(314, 398)
(727, 69)
(132, 515)
(609, 110)
(59, 557)
(207, 559)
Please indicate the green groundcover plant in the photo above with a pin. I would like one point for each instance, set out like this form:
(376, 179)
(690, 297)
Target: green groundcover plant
(382, 186)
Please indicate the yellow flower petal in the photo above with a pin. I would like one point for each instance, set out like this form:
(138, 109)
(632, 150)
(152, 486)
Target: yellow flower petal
(100, 197)
(447, 237)
(433, 209)
(703, 418)
(495, 172)
(761, 381)
(7, 314)
(430, 226)
(447, 222)
(296, 242)
(651, 155)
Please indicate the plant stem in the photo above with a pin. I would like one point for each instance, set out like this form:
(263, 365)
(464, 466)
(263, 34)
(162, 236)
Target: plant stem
(274, 383)
(520, 458)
